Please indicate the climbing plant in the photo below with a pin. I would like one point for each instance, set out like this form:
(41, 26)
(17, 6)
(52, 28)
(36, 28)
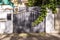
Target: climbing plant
(43, 4)
(58, 2)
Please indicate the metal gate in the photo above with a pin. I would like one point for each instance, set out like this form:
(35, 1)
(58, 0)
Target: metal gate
(23, 20)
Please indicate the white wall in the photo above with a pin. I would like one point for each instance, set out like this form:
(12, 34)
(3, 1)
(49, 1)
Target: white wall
(49, 22)
(6, 26)
(2, 27)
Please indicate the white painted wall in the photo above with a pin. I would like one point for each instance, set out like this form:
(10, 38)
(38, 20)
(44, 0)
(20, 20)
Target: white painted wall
(7, 25)
(49, 22)
(2, 27)
(3, 15)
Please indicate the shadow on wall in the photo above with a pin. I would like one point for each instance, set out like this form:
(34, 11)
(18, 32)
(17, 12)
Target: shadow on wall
(23, 20)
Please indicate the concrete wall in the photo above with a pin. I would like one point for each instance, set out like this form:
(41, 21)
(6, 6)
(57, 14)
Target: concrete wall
(6, 26)
(49, 22)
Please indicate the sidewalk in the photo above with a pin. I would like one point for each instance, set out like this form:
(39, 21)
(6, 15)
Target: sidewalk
(17, 37)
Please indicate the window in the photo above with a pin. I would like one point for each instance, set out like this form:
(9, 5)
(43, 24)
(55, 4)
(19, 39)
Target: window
(8, 16)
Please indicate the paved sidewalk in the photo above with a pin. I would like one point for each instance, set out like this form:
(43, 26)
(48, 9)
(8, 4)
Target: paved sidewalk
(17, 37)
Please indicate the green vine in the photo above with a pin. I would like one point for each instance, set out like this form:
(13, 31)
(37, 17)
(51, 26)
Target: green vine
(43, 4)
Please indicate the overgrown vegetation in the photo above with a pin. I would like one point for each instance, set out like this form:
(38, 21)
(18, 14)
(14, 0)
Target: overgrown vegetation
(50, 4)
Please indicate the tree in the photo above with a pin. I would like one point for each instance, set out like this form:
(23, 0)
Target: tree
(6, 2)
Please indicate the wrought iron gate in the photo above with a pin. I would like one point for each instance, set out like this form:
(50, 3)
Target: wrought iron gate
(23, 20)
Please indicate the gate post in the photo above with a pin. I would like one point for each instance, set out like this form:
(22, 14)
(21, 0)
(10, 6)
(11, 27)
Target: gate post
(49, 21)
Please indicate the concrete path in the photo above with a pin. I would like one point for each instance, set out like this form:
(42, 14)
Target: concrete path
(17, 37)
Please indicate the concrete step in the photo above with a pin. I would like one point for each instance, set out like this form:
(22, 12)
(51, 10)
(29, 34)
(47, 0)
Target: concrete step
(55, 32)
(56, 35)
